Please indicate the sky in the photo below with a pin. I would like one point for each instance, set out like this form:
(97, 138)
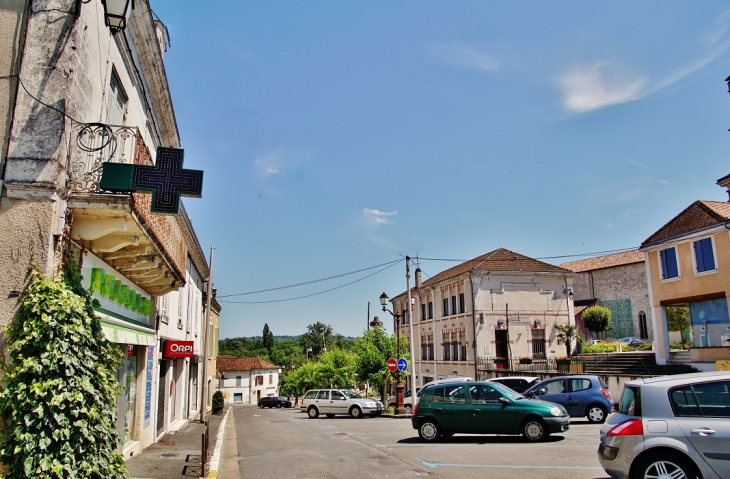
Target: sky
(339, 136)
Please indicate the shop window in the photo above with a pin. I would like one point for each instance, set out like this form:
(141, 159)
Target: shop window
(704, 255)
(668, 263)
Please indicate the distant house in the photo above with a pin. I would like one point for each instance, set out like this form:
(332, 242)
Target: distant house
(688, 264)
(246, 380)
(499, 305)
(618, 282)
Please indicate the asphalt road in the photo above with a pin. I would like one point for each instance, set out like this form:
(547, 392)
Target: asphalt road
(284, 443)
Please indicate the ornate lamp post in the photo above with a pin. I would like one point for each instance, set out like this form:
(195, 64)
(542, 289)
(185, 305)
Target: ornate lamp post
(399, 409)
(116, 13)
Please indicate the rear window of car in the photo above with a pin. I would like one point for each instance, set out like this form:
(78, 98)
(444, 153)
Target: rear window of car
(630, 403)
(707, 399)
(310, 395)
(450, 395)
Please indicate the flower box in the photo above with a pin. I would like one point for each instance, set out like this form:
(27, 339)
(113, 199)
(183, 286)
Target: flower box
(525, 360)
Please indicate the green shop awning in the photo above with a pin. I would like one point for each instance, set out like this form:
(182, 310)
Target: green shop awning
(122, 335)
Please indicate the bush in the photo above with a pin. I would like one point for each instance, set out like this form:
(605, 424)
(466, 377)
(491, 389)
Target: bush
(59, 404)
(600, 348)
(640, 347)
(597, 319)
(217, 405)
(687, 345)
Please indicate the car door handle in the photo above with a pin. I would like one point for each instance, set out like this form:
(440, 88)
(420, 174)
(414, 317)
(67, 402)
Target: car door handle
(477, 410)
(703, 431)
(438, 409)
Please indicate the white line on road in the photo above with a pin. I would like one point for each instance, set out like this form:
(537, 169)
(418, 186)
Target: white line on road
(445, 464)
(511, 445)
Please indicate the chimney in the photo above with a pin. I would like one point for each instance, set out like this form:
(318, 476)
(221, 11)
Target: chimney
(418, 278)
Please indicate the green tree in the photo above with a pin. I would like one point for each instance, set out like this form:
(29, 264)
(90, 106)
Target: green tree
(372, 353)
(597, 319)
(268, 338)
(678, 320)
(566, 334)
(59, 404)
(317, 335)
(337, 369)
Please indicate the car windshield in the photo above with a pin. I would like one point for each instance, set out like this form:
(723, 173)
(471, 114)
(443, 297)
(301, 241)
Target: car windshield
(349, 393)
(510, 393)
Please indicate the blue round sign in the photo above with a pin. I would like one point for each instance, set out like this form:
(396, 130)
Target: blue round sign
(402, 365)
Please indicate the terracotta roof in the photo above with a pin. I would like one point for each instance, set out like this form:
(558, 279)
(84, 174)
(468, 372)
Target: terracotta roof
(699, 215)
(607, 261)
(230, 363)
(498, 260)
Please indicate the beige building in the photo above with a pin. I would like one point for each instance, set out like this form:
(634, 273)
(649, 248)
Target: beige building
(89, 97)
(618, 282)
(499, 305)
(688, 264)
(246, 380)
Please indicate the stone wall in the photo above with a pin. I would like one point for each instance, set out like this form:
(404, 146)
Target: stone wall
(625, 282)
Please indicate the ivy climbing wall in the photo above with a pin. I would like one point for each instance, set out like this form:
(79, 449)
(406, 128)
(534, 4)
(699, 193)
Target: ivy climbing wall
(621, 316)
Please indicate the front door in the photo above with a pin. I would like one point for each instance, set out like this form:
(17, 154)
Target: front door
(450, 408)
(489, 415)
(161, 398)
(703, 413)
(581, 394)
(338, 403)
(500, 343)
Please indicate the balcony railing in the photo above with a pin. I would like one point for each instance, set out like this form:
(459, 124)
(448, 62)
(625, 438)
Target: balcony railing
(93, 145)
(549, 365)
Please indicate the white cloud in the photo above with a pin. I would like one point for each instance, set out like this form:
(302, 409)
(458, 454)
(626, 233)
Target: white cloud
(379, 217)
(587, 88)
(465, 56)
(270, 169)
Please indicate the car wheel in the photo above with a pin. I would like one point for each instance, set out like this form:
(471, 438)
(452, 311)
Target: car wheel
(355, 412)
(330, 415)
(409, 409)
(535, 430)
(596, 413)
(664, 465)
(429, 430)
(261, 405)
(278, 405)
(312, 412)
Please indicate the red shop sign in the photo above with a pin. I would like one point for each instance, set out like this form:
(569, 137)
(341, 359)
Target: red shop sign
(178, 349)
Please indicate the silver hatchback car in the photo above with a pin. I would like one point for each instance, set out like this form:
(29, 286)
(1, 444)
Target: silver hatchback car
(332, 402)
(673, 427)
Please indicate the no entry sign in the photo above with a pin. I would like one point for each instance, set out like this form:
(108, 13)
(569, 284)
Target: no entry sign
(392, 365)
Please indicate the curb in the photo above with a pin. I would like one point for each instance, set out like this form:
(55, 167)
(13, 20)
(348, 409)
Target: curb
(215, 459)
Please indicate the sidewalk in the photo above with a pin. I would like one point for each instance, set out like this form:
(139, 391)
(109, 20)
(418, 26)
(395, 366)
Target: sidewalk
(177, 454)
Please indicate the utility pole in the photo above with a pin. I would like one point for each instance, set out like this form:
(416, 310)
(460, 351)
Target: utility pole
(414, 396)
(206, 332)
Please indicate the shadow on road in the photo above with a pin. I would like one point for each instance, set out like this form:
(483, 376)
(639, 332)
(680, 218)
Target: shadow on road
(468, 439)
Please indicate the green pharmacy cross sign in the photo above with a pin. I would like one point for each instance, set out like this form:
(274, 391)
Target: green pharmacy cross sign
(166, 180)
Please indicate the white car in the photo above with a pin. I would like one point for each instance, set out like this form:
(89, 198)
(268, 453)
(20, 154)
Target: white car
(332, 402)
(518, 384)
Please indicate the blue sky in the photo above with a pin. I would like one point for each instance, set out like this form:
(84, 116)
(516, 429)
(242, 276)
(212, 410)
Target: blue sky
(336, 136)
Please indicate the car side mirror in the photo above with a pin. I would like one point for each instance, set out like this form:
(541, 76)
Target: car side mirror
(542, 391)
(504, 400)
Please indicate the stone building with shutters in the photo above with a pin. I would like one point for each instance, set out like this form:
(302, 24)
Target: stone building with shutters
(75, 96)
(618, 282)
(499, 305)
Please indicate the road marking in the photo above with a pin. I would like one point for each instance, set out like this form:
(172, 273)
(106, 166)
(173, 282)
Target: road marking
(481, 444)
(434, 465)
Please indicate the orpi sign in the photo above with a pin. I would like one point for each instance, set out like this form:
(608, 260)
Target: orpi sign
(178, 349)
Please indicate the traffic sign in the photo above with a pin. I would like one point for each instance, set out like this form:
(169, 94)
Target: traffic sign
(402, 365)
(392, 365)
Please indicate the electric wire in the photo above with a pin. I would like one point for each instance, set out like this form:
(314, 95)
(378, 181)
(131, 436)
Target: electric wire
(390, 263)
(622, 250)
(313, 294)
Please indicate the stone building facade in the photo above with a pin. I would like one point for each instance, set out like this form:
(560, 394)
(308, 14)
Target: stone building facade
(618, 282)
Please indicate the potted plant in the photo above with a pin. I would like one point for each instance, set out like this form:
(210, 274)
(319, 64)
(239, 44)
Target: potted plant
(499, 362)
(525, 360)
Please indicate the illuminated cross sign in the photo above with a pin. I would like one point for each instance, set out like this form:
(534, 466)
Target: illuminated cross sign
(166, 180)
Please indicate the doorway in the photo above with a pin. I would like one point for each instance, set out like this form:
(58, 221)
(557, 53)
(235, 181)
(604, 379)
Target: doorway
(500, 343)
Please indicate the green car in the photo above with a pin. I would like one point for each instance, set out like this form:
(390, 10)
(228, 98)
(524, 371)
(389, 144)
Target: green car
(485, 408)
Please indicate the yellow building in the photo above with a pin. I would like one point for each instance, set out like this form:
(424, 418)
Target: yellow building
(688, 264)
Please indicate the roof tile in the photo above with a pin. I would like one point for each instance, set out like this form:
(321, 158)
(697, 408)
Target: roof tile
(606, 261)
(699, 215)
(230, 363)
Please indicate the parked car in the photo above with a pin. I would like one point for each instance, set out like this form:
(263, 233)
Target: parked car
(332, 402)
(484, 408)
(581, 395)
(631, 341)
(407, 396)
(519, 384)
(273, 401)
(672, 426)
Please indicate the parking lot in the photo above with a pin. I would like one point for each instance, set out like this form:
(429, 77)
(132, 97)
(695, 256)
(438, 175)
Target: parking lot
(386, 447)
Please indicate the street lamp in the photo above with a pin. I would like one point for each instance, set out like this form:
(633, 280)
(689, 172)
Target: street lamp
(116, 13)
(399, 409)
